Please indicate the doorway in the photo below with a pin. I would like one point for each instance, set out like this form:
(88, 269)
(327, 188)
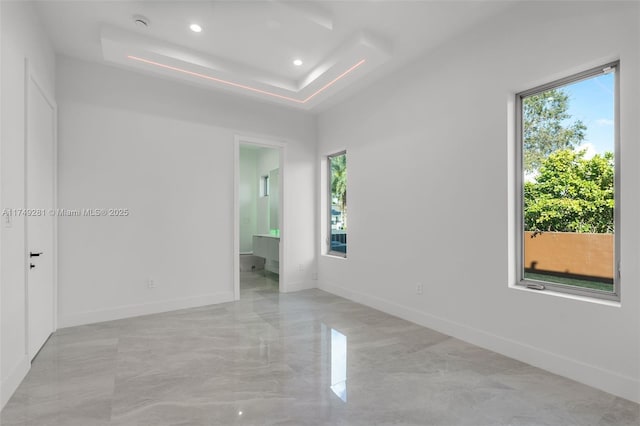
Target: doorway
(40, 220)
(258, 265)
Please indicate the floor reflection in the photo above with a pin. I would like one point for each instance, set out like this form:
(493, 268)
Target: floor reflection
(339, 364)
(281, 359)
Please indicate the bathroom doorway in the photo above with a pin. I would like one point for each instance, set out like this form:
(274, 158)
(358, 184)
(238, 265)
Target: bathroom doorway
(258, 214)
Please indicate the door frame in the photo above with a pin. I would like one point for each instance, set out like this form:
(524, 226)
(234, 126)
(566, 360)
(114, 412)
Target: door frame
(282, 148)
(31, 76)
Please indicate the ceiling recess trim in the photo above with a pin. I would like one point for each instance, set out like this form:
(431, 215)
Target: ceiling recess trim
(249, 88)
(354, 59)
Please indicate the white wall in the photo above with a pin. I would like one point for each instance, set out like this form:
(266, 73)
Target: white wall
(248, 197)
(432, 143)
(166, 152)
(22, 38)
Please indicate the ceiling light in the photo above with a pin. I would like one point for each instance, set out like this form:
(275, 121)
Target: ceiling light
(297, 62)
(195, 28)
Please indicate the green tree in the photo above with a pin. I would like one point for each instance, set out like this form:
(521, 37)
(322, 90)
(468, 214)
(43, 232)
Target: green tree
(571, 194)
(339, 183)
(546, 127)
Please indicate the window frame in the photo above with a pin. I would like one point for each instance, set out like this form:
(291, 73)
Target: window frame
(264, 185)
(611, 67)
(329, 205)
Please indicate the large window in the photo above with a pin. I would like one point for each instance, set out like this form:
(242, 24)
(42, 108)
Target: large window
(568, 197)
(337, 232)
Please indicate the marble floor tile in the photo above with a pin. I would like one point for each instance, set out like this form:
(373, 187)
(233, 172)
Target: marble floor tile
(306, 358)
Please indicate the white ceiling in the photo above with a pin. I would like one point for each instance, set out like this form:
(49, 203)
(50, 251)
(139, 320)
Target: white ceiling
(251, 44)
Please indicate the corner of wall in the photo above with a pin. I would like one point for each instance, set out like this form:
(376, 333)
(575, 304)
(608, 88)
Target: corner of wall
(129, 311)
(300, 285)
(591, 375)
(9, 385)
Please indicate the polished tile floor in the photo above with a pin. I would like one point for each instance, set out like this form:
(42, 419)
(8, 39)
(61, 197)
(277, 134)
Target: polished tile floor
(307, 358)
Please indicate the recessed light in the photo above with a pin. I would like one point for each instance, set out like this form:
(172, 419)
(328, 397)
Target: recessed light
(195, 28)
(297, 62)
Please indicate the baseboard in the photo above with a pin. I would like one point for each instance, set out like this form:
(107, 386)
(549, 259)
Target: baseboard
(599, 378)
(130, 311)
(9, 385)
(301, 285)
(272, 270)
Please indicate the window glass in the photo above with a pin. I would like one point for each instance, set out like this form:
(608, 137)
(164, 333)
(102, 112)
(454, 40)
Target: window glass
(568, 136)
(264, 186)
(338, 203)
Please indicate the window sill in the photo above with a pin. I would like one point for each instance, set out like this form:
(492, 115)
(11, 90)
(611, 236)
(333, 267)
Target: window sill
(335, 256)
(604, 302)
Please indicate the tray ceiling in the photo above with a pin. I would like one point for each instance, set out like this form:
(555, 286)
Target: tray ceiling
(249, 47)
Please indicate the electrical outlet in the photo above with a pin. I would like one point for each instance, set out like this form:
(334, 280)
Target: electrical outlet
(151, 283)
(419, 288)
(314, 276)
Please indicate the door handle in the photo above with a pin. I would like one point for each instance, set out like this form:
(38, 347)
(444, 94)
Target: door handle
(32, 254)
(31, 266)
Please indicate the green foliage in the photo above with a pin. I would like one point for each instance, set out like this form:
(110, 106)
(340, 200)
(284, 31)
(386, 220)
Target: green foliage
(571, 194)
(545, 127)
(339, 183)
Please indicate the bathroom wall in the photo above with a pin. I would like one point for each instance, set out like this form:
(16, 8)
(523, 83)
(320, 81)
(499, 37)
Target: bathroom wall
(267, 160)
(255, 162)
(248, 197)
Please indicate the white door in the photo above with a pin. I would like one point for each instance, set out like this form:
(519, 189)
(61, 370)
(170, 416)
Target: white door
(40, 182)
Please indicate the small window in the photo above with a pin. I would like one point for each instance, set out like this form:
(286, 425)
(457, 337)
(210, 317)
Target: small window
(264, 186)
(568, 168)
(337, 232)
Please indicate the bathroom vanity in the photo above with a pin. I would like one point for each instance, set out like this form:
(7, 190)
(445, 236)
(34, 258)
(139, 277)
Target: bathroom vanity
(268, 246)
